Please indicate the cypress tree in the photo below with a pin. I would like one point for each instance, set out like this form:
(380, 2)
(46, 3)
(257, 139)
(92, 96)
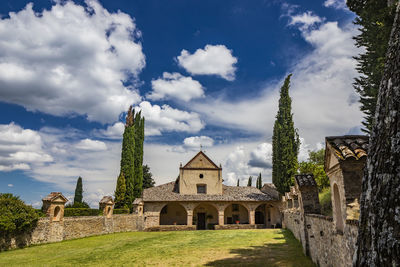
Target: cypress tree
(128, 158)
(259, 181)
(120, 192)
(148, 180)
(375, 18)
(78, 198)
(138, 154)
(249, 181)
(285, 142)
(237, 182)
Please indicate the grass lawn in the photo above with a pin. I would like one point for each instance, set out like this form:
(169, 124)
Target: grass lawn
(266, 247)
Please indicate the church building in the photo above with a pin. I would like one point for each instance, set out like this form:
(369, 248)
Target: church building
(199, 200)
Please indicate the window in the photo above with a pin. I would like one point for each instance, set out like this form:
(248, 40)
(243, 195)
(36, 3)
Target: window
(201, 189)
(235, 207)
(201, 176)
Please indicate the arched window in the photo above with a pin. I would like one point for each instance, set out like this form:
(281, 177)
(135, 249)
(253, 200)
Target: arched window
(57, 214)
(338, 209)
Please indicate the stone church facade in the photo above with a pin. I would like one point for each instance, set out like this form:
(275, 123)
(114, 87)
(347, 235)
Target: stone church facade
(198, 199)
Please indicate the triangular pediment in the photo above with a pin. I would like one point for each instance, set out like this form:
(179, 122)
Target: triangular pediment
(201, 161)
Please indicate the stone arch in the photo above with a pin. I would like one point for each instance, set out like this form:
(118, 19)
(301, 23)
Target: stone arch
(173, 214)
(236, 212)
(57, 214)
(205, 216)
(108, 212)
(338, 208)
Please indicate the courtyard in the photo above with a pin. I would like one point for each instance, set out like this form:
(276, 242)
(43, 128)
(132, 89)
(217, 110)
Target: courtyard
(266, 247)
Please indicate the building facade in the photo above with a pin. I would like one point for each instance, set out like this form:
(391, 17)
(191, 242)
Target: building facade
(198, 199)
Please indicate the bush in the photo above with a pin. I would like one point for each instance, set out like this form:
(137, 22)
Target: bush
(15, 216)
(40, 213)
(78, 205)
(121, 211)
(325, 201)
(72, 212)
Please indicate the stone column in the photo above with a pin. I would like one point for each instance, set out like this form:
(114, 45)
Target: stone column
(220, 217)
(189, 217)
(252, 216)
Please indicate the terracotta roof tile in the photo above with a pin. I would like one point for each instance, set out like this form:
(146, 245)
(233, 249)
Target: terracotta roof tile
(349, 146)
(305, 180)
(53, 195)
(106, 199)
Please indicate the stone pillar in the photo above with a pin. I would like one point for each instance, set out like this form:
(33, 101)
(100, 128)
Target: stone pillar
(220, 217)
(53, 205)
(190, 217)
(308, 193)
(252, 217)
(107, 205)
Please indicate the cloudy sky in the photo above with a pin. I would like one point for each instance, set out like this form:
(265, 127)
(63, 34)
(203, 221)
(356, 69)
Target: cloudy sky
(202, 72)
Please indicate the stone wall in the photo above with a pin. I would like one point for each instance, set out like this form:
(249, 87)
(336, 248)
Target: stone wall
(73, 227)
(320, 240)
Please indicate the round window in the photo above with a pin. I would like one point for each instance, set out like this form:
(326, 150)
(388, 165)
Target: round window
(201, 175)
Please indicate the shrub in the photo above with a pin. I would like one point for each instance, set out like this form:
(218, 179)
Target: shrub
(121, 211)
(78, 205)
(72, 212)
(15, 216)
(325, 201)
(40, 213)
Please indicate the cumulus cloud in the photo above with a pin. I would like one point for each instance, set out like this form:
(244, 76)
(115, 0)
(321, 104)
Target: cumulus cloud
(212, 60)
(323, 99)
(69, 60)
(92, 145)
(167, 119)
(194, 143)
(337, 4)
(10, 185)
(114, 131)
(20, 148)
(175, 86)
(261, 157)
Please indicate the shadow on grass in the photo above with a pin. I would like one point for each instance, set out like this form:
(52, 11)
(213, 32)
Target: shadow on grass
(287, 253)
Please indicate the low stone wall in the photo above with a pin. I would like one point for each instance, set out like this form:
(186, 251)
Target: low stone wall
(163, 228)
(320, 240)
(73, 227)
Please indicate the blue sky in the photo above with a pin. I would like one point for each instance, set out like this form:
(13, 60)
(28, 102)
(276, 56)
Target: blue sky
(202, 72)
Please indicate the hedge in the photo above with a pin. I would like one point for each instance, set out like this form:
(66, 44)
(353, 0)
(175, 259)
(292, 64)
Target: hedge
(72, 212)
(121, 211)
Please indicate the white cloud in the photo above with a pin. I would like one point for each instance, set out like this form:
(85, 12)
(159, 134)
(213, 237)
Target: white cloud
(175, 86)
(212, 60)
(324, 102)
(261, 157)
(20, 148)
(305, 20)
(337, 4)
(193, 143)
(92, 145)
(10, 185)
(166, 119)
(114, 131)
(70, 60)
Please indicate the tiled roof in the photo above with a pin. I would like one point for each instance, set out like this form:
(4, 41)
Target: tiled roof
(137, 201)
(106, 199)
(349, 146)
(305, 180)
(53, 195)
(166, 192)
(270, 189)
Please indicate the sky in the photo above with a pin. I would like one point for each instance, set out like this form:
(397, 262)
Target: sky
(202, 72)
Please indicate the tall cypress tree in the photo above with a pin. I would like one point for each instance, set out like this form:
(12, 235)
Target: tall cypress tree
(120, 192)
(78, 198)
(237, 182)
(375, 18)
(259, 181)
(285, 142)
(128, 158)
(139, 139)
(249, 181)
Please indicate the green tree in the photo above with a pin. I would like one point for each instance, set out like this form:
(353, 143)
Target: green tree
(285, 142)
(120, 192)
(78, 198)
(237, 182)
(148, 180)
(138, 154)
(249, 181)
(375, 18)
(259, 181)
(15, 216)
(128, 158)
(315, 165)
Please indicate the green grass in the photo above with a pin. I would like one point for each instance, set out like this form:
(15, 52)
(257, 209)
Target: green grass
(267, 247)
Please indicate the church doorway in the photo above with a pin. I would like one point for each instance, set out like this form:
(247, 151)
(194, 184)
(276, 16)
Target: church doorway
(201, 221)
